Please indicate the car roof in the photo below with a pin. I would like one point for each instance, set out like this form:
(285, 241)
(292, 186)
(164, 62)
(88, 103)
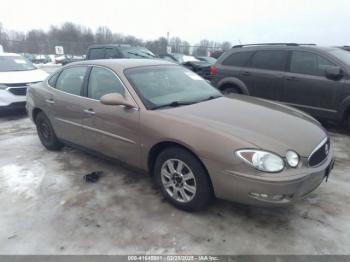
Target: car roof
(111, 45)
(122, 64)
(284, 47)
(9, 54)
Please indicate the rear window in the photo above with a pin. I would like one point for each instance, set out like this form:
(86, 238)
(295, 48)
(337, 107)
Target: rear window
(97, 53)
(111, 53)
(71, 80)
(238, 59)
(270, 60)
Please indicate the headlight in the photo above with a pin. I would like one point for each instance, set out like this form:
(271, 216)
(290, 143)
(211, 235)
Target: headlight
(261, 160)
(3, 87)
(292, 158)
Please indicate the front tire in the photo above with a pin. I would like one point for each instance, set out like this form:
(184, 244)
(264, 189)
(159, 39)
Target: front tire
(182, 179)
(46, 133)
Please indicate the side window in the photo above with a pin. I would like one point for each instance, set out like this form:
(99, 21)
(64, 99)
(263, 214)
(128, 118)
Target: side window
(97, 53)
(238, 59)
(71, 80)
(111, 53)
(308, 63)
(53, 79)
(270, 60)
(102, 82)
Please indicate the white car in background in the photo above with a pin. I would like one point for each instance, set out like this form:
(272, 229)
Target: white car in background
(16, 74)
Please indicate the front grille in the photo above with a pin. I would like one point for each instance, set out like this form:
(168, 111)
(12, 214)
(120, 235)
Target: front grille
(18, 91)
(320, 153)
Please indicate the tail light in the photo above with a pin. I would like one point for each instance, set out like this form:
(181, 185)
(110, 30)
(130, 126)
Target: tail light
(213, 70)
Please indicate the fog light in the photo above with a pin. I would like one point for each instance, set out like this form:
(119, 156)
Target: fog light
(292, 158)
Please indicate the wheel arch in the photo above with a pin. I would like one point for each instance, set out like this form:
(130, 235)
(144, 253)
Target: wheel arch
(159, 147)
(233, 82)
(344, 109)
(35, 113)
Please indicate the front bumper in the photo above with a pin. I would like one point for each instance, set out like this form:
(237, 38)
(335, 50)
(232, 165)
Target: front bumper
(278, 191)
(11, 101)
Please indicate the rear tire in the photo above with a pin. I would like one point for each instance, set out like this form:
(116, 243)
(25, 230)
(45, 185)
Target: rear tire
(182, 179)
(46, 133)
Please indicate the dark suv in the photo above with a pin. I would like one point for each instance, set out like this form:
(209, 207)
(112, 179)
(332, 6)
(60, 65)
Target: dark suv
(312, 78)
(112, 51)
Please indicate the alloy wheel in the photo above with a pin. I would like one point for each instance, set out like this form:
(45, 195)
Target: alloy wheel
(178, 180)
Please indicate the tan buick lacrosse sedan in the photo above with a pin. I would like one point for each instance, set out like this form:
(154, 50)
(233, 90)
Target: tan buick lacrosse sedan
(196, 143)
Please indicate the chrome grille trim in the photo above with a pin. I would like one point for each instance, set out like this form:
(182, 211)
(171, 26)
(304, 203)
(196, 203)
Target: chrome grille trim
(323, 142)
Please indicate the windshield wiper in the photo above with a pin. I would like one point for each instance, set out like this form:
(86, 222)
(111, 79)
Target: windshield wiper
(210, 98)
(174, 104)
(132, 53)
(148, 54)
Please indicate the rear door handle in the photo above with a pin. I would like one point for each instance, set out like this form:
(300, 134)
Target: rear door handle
(50, 101)
(292, 78)
(246, 73)
(89, 111)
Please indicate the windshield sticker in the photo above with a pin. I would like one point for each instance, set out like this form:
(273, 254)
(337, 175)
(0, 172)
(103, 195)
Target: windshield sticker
(193, 76)
(20, 61)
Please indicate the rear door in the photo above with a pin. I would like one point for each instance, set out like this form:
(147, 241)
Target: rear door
(307, 87)
(266, 73)
(66, 104)
(111, 130)
(232, 66)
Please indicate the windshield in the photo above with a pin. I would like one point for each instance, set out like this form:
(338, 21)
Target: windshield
(342, 55)
(15, 63)
(138, 52)
(159, 86)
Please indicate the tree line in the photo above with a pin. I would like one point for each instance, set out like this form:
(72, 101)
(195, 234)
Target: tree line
(77, 38)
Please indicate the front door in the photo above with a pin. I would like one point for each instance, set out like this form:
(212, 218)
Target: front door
(110, 130)
(307, 87)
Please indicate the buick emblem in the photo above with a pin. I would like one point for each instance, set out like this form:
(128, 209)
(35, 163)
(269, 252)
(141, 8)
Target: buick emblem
(326, 149)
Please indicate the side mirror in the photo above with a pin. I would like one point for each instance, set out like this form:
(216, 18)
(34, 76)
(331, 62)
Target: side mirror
(334, 72)
(116, 99)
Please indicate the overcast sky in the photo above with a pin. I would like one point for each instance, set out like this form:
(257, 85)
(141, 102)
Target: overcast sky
(250, 21)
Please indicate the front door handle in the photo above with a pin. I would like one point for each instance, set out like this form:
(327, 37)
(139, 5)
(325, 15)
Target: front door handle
(89, 111)
(292, 78)
(246, 73)
(50, 101)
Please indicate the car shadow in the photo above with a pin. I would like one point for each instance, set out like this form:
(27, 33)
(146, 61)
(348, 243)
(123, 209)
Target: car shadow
(335, 128)
(9, 115)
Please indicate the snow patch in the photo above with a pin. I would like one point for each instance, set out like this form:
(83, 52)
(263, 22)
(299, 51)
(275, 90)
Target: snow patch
(17, 180)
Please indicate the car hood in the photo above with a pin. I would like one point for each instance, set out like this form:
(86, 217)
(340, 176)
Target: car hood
(265, 125)
(28, 76)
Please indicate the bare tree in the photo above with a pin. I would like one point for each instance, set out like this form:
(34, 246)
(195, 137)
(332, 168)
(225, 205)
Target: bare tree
(103, 35)
(76, 39)
(226, 46)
